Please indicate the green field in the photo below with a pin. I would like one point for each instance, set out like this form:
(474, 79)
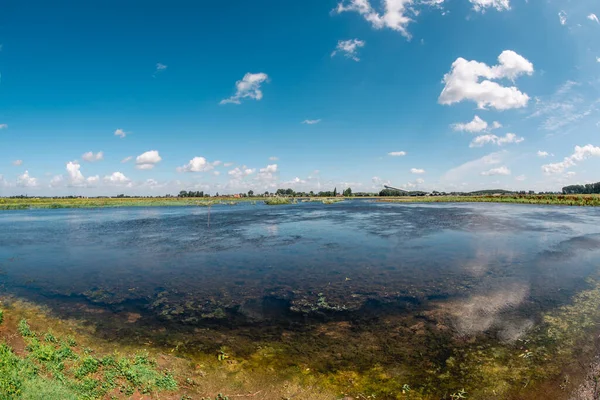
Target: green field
(551, 199)
(27, 203)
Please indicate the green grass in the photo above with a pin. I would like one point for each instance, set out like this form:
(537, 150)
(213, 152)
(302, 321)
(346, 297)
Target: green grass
(55, 368)
(275, 201)
(552, 199)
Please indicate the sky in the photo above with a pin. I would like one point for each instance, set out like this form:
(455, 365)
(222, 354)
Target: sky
(104, 97)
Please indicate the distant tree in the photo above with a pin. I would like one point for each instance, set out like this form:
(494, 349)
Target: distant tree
(266, 192)
(334, 192)
(250, 193)
(312, 193)
(183, 193)
(217, 194)
(348, 192)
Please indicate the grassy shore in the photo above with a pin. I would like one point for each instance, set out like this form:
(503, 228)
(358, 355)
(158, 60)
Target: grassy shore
(44, 357)
(562, 200)
(34, 203)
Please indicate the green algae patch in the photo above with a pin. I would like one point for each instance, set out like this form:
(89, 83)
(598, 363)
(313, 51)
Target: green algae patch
(52, 367)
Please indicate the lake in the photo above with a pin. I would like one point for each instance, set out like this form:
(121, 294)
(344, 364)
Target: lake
(439, 296)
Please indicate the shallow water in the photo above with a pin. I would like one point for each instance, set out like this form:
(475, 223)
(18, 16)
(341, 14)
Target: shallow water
(488, 268)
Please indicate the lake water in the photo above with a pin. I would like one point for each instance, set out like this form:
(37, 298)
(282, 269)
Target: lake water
(451, 273)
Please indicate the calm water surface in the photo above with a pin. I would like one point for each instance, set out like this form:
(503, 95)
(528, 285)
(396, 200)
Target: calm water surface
(491, 267)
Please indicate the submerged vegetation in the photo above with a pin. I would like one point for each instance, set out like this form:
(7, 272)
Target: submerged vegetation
(416, 357)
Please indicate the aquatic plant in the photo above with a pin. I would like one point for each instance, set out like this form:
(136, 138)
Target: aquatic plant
(274, 201)
(1, 316)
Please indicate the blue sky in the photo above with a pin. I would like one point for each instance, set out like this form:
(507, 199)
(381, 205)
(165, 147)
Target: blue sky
(231, 96)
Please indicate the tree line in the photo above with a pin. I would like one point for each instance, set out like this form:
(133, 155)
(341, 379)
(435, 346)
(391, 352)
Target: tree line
(588, 188)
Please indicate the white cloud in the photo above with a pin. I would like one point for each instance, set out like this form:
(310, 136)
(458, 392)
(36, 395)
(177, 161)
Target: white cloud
(121, 133)
(91, 157)
(26, 180)
(394, 15)
(562, 17)
(76, 177)
(598, 59)
(117, 178)
(248, 87)
(3, 126)
(17, 163)
(570, 174)
(228, 164)
(349, 48)
(311, 121)
(543, 154)
(273, 158)
(581, 153)
(397, 153)
(216, 163)
(239, 173)
(477, 125)
(481, 5)
(160, 67)
(216, 173)
(479, 141)
(462, 82)
(126, 159)
(417, 171)
(196, 164)
(147, 160)
(496, 171)
(468, 169)
(520, 178)
(56, 181)
(267, 175)
(565, 107)
(593, 17)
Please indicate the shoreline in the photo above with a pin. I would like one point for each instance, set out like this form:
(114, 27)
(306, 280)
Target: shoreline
(589, 200)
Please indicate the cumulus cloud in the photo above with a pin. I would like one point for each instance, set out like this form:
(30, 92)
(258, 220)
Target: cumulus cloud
(126, 159)
(482, 140)
(477, 125)
(543, 154)
(417, 171)
(520, 178)
(463, 82)
(76, 177)
(393, 17)
(248, 87)
(273, 158)
(228, 164)
(239, 173)
(267, 175)
(121, 133)
(117, 178)
(196, 164)
(349, 48)
(397, 153)
(92, 157)
(482, 5)
(496, 171)
(562, 17)
(581, 153)
(311, 121)
(26, 180)
(3, 126)
(593, 17)
(147, 160)
(17, 163)
(56, 181)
